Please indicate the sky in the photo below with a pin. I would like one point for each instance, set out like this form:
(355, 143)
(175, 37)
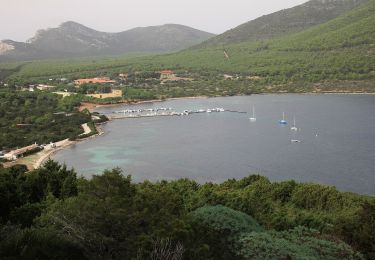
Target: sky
(20, 19)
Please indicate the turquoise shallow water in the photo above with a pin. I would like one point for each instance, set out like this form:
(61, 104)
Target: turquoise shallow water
(337, 134)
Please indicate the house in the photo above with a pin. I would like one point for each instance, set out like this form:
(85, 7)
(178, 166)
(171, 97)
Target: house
(115, 93)
(254, 77)
(166, 74)
(102, 80)
(13, 155)
(44, 87)
(64, 93)
(30, 88)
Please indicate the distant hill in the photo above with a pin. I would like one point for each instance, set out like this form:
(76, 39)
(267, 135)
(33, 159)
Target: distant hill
(286, 21)
(338, 55)
(72, 39)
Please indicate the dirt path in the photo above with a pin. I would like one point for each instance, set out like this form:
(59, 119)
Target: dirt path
(86, 129)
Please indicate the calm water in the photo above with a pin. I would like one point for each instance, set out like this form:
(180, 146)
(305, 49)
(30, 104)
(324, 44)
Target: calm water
(337, 141)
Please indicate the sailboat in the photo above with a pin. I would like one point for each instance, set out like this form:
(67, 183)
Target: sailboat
(283, 121)
(253, 118)
(294, 128)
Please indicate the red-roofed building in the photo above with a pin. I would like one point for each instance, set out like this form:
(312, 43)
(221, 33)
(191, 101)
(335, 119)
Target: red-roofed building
(166, 74)
(13, 155)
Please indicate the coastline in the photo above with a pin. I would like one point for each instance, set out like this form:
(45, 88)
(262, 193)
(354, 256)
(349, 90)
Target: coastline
(37, 160)
(43, 158)
(91, 106)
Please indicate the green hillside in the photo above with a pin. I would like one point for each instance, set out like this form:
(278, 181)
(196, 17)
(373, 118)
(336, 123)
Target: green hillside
(292, 20)
(337, 55)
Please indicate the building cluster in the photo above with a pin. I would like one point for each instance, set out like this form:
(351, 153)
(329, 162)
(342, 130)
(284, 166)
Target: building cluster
(165, 76)
(102, 80)
(113, 94)
(15, 154)
(169, 75)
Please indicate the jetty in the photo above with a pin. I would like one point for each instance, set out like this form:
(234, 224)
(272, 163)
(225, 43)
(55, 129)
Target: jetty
(159, 112)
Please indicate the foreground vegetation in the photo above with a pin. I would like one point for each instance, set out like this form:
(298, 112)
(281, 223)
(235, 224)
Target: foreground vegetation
(49, 213)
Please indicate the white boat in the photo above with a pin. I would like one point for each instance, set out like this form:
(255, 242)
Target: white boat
(295, 141)
(294, 128)
(283, 121)
(253, 118)
(209, 111)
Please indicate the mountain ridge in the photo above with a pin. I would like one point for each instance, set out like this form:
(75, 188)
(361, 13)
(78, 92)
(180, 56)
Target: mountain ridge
(74, 39)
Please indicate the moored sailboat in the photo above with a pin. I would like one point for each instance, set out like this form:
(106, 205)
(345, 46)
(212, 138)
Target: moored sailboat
(294, 128)
(283, 121)
(253, 118)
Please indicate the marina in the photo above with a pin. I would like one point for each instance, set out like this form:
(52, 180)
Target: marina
(157, 112)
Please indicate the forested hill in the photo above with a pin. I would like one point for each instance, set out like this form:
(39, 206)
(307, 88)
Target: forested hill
(72, 39)
(286, 21)
(327, 57)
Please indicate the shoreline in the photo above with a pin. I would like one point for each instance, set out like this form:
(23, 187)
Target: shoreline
(41, 161)
(37, 160)
(91, 106)
(47, 155)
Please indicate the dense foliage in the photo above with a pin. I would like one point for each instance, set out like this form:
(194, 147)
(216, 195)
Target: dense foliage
(29, 117)
(49, 213)
(285, 21)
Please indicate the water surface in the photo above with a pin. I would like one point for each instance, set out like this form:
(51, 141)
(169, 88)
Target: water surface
(337, 134)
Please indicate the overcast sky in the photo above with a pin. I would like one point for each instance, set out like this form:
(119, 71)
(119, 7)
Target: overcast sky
(20, 19)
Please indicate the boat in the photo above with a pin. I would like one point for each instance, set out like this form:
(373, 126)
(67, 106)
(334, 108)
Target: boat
(283, 121)
(294, 128)
(253, 118)
(295, 141)
(209, 110)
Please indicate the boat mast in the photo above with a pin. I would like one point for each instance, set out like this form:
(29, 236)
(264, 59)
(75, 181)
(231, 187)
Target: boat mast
(253, 111)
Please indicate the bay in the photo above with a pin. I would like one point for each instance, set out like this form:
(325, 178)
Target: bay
(337, 134)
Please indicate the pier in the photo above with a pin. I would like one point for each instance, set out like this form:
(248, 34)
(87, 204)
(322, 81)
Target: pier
(158, 112)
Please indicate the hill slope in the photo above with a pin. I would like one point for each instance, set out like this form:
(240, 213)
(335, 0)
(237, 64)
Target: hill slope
(286, 21)
(334, 54)
(73, 39)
